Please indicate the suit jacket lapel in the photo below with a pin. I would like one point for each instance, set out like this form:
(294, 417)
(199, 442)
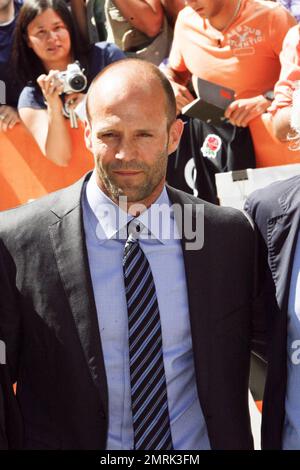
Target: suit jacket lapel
(68, 241)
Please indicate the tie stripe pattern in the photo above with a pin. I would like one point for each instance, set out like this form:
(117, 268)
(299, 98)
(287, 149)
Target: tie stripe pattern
(150, 412)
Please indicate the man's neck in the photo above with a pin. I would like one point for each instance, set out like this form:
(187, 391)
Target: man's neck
(7, 13)
(134, 208)
(227, 13)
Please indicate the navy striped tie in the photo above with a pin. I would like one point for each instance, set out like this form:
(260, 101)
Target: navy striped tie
(149, 401)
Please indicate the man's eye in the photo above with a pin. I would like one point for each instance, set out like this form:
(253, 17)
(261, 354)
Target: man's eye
(107, 135)
(145, 134)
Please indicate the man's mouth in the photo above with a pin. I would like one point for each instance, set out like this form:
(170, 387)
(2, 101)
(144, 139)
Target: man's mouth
(127, 172)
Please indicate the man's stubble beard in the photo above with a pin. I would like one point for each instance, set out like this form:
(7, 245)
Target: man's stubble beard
(141, 191)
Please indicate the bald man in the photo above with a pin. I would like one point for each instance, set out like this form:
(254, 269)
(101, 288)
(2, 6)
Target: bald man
(124, 329)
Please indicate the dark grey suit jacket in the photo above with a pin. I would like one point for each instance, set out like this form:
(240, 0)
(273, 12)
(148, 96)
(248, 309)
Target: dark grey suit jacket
(49, 321)
(276, 211)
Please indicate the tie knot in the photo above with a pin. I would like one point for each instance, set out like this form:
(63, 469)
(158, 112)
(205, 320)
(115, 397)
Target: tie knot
(133, 231)
(133, 234)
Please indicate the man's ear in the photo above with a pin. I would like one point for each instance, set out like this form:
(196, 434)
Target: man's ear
(175, 134)
(88, 136)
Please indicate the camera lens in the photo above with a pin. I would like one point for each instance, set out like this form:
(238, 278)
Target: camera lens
(78, 83)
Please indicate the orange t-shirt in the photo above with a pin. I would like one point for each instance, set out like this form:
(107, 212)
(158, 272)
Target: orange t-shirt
(244, 57)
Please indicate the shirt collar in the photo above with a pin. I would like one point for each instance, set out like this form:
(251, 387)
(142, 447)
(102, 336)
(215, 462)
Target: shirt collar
(112, 220)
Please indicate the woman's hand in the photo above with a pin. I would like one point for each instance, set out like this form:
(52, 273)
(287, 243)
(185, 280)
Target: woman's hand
(182, 94)
(9, 116)
(51, 87)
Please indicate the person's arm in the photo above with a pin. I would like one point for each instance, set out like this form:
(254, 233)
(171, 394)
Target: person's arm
(179, 82)
(284, 88)
(144, 15)
(9, 116)
(176, 70)
(79, 12)
(48, 127)
(49, 131)
(281, 123)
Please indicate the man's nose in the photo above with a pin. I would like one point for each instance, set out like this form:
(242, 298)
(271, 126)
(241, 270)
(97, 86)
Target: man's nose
(125, 151)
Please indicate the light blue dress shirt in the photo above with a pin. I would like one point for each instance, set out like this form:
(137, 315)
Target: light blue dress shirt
(104, 222)
(291, 431)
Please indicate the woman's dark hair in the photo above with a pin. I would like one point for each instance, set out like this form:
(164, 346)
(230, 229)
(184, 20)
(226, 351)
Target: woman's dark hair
(26, 63)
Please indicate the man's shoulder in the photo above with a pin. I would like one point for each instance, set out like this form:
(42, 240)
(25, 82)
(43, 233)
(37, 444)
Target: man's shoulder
(265, 5)
(35, 216)
(212, 213)
(280, 16)
(271, 200)
(31, 97)
(267, 12)
(106, 51)
(33, 213)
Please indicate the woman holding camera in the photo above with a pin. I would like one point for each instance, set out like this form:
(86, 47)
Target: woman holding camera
(45, 44)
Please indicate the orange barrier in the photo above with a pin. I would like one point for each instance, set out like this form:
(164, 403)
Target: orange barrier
(26, 174)
(269, 151)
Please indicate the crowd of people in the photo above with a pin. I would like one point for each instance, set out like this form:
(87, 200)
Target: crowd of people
(249, 47)
(118, 335)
